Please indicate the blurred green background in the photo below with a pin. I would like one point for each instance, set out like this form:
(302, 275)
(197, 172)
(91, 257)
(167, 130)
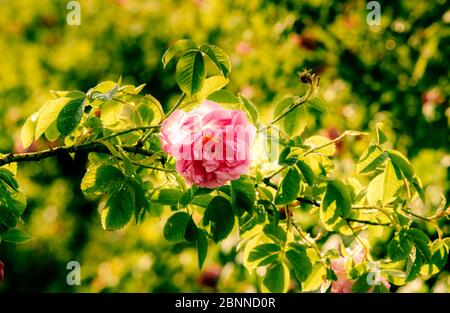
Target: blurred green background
(396, 73)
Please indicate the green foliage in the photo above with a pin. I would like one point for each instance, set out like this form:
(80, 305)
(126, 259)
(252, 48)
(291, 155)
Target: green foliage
(277, 277)
(300, 261)
(202, 247)
(15, 236)
(277, 211)
(336, 205)
(219, 216)
(243, 194)
(70, 116)
(176, 226)
(118, 210)
(371, 159)
(218, 57)
(191, 72)
(290, 187)
(400, 246)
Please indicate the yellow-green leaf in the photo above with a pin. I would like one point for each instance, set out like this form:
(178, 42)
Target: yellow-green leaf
(371, 159)
(28, 130)
(314, 142)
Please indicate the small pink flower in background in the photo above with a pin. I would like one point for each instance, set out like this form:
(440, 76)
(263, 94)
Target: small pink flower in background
(344, 284)
(243, 48)
(211, 144)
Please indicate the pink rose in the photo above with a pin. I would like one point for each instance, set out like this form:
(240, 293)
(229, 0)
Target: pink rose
(344, 284)
(211, 144)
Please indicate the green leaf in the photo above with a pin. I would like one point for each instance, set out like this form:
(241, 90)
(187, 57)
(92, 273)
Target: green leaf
(131, 89)
(421, 241)
(438, 260)
(329, 148)
(218, 57)
(176, 225)
(392, 183)
(300, 262)
(70, 116)
(264, 251)
(48, 115)
(191, 72)
(250, 109)
(177, 48)
(219, 214)
(8, 177)
(211, 85)
(144, 114)
(380, 288)
(7, 218)
(375, 190)
(118, 210)
(148, 108)
(68, 94)
(202, 247)
(289, 187)
(371, 159)
(15, 236)
(277, 278)
(402, 163)
(14, 202)
(189, 195)
(191, 232)
(226, 98)
(169, 196)
(294, 123)
(361, 285)
(28, 130)
(384, 187)
(243, 194)
(315, 279)
(276, 233)
(318, 104)
(418, 186)
(336, 204)
(413, 266)
(400, 246)
(102, 179)
(52, 133)
(381, 136)
(283, 158)
(307, 172)
(141, 204)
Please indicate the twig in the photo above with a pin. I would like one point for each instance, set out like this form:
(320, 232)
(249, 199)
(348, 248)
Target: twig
(177, 104)
(367, 222)
(153, 167)
(124, 132)
(361, 242)
(87, 147)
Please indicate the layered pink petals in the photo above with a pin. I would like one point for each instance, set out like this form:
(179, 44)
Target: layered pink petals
(211, 144)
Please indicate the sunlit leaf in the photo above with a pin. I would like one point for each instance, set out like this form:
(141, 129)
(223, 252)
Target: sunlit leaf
(190, 72)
